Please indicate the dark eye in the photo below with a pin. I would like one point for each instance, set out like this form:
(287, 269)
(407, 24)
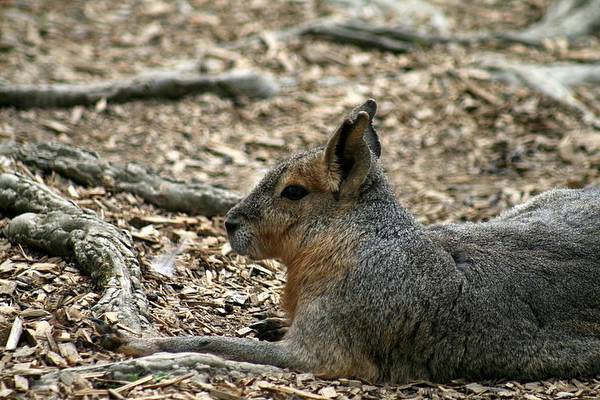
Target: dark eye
(294, 192)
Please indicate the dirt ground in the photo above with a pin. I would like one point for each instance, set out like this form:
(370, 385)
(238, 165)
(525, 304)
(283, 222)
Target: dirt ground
(452, 154)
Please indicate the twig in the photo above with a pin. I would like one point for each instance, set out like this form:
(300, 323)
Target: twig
(129, 386)
(477, 90)
(115, 394)
(169, 382)
(289, 390)
(15, 334)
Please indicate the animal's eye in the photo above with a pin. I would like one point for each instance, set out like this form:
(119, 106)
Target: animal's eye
(294, 192)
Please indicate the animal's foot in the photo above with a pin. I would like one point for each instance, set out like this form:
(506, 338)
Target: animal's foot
(271, 329)
(112, 339)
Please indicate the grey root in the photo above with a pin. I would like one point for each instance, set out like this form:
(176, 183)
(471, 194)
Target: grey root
(175, 364)
(47, 221)
(159, 84)
(569, 19)
(86, 168)
(554, 81)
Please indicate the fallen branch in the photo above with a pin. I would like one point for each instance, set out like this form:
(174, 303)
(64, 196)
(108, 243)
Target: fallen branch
(170, 85)
(566, 18)
(163, 363)
(87, 168)
(384, 38)
(57, 226)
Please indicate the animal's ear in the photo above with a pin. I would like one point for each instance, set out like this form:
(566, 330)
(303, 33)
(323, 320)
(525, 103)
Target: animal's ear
(347, 156)
(370, 107)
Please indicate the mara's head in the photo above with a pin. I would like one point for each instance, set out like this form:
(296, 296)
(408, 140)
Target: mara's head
(299, 202)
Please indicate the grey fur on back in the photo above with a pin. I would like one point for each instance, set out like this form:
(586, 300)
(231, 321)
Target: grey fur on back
(530, 286)
(515, 297)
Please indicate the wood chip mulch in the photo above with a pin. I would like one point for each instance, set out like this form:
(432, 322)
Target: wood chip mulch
(457, 147)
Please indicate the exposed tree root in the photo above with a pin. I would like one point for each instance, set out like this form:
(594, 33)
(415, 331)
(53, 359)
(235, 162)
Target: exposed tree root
(166, 84)
(57, 226)
(568, 19)
(87, 168)
(162, 363)
(394, 39)
(348, 34)
(565, 18)
(554, 81)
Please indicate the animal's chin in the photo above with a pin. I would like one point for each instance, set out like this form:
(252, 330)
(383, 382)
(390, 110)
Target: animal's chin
(238, 248)
(245, 249)
(241, 244)
(244, 243)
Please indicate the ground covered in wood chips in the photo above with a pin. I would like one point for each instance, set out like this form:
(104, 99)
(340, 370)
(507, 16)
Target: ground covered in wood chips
(457, 146)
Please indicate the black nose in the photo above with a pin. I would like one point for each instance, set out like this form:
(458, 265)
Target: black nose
(231, 224)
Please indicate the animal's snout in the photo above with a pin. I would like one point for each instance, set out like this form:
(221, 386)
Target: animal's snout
(231, 224)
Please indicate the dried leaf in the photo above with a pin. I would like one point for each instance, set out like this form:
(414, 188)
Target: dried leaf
(7, 287)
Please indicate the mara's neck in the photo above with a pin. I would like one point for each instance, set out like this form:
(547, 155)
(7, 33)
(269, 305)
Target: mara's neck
(314, 267)
(382, 218)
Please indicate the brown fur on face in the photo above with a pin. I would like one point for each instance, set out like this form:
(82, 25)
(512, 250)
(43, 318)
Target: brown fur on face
(282, 233)
(307, 233)
(313, 173)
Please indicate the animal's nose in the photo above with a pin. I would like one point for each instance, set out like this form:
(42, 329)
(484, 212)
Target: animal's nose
(231, 224)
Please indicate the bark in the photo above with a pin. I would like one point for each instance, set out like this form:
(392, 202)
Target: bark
(57, 226)
(165, 84)
(87, 168)
(164, 363)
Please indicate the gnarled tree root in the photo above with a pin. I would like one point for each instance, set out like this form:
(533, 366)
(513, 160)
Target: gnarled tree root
(569, 19)
(87, 168)
(348, 34)
(162, 363)
(170, 85)
(57, 226)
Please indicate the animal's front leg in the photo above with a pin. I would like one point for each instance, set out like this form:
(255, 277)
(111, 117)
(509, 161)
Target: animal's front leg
(278, 354)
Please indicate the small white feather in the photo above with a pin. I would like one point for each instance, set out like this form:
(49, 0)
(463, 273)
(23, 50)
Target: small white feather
(164, 264)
